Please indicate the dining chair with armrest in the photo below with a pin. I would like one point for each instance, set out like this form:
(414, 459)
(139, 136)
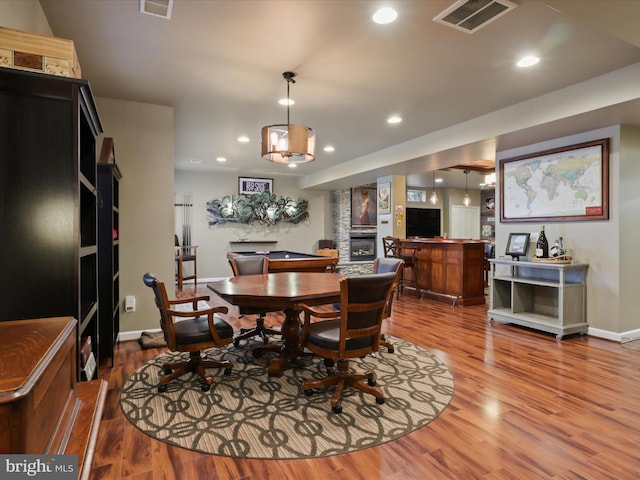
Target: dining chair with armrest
(354, 333)
(386, 265)
(190, 331)
(252, 265)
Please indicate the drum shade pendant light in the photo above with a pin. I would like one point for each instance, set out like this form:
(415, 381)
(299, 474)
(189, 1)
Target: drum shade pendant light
(287, 143)
(467, 200)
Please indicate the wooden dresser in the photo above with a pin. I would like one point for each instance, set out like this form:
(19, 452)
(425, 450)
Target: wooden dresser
(43, 409)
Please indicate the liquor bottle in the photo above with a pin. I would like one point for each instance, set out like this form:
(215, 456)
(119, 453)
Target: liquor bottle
(542, 247)
(561, 250)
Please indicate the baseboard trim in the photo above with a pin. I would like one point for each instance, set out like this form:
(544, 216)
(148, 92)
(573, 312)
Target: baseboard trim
(622, 337)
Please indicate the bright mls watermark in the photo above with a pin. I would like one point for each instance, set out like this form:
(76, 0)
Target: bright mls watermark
(50, 467)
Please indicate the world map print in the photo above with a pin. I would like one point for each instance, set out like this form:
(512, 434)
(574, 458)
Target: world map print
(559, 184)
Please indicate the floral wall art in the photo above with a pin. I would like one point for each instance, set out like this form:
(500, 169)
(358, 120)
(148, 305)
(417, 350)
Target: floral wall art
(264, 208)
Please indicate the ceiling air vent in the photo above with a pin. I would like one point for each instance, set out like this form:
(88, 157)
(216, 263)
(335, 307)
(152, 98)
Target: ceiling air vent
(471, 15)
(158, 8)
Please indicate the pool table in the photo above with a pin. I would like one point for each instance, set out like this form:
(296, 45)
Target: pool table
(286, 261)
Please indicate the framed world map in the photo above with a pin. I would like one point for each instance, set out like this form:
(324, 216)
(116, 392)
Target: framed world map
(564, 184)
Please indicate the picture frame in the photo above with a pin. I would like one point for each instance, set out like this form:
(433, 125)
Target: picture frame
(364, 212)
(517, 245)
(249, 186)
(384, 198)
(562, 184)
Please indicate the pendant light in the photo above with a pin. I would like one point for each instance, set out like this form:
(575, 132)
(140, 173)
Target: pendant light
(288, 143)
(467, 200)
(433, 199)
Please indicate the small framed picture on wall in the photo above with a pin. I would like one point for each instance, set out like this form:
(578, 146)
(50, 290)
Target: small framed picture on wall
(249, 186)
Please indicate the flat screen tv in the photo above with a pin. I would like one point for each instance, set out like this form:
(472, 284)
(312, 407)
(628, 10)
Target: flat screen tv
(423, 222)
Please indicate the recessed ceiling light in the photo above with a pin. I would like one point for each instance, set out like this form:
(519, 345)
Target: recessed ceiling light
(329, 148)
(439, 180)
(394, 119)
(286, 101)
(243, 139)
(385, 15)
(293, 165)
(195, 160)
(527, 61)
(221, 159)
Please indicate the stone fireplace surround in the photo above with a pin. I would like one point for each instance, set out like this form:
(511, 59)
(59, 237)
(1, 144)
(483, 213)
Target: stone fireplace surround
(342, 230)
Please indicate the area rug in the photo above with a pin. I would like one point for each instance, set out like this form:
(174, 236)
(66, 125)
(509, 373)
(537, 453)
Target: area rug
(251, 415)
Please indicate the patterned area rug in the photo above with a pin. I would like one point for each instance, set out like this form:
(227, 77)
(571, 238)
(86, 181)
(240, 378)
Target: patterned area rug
(251, 415)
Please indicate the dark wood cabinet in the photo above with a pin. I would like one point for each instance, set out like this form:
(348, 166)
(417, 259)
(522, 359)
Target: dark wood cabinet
(43, 410)
(48, 200)
(109, 176)
(449, 270)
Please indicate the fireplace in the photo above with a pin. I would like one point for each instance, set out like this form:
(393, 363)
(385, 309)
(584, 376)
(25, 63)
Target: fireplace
(362, 246)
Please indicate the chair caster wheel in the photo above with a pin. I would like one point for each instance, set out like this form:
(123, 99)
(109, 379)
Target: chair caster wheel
(372, 382)
(236, 342)
(162, 388)
(337, 409)
(227, 371)
(391, 350)
(205, 387)
(167, 371)
(308, 392)
(379, 401)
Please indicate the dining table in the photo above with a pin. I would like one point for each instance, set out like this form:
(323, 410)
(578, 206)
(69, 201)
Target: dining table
(280, 291)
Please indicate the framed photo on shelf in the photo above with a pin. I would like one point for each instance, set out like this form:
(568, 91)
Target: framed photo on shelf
(563, 184)
(249, 186)
(384, 198)
(363, 207)
(517, 245)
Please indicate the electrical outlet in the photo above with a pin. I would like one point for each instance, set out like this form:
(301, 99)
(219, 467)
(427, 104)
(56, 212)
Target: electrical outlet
(130, 303)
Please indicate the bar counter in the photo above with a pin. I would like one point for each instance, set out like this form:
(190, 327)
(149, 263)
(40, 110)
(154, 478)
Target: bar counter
(448, 270)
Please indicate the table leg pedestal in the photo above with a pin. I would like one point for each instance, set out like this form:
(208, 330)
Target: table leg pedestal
(289, 349)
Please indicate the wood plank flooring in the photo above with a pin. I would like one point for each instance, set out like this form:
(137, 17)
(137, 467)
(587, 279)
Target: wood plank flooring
(526, 406)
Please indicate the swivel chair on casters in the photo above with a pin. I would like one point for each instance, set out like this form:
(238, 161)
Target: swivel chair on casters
(354, 334)
(197, 331)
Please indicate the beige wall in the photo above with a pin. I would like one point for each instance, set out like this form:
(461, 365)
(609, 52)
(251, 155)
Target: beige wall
(24, 15)
(598, 243)
(143, 142)
(213, 241)
(629, 232)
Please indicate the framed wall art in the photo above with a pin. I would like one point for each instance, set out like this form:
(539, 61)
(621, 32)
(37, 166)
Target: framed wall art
(384, 198)
(564, 184)
(363, 207)
(249, 186)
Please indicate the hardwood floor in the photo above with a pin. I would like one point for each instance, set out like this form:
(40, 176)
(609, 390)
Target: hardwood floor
(525, 406)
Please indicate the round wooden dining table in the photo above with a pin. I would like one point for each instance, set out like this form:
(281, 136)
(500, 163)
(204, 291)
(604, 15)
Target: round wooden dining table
(281, 291)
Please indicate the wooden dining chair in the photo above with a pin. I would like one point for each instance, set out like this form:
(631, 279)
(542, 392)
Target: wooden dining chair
(185, 254)
(190, 331)
(386, 265)
(392, 249)
(252, 265)
(354, 333)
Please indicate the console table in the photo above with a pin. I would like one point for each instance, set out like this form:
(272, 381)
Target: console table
(43, 409)
(549, 297)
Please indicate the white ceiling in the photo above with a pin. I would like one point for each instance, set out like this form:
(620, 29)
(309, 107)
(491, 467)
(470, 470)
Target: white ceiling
(219, 63)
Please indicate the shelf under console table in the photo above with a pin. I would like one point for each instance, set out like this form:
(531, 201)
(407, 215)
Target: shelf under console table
(544, 296)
